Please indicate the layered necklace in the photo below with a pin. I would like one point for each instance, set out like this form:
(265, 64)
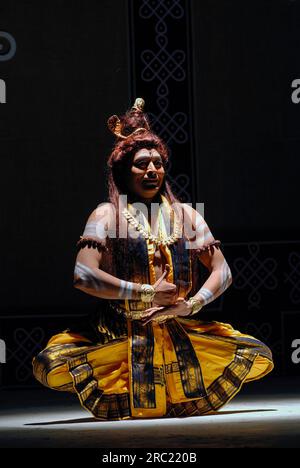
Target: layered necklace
(158, 240)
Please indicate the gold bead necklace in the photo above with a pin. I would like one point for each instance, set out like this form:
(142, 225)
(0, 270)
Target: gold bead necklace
(159, 240)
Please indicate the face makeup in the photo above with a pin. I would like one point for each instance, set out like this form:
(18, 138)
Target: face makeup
(146, 174)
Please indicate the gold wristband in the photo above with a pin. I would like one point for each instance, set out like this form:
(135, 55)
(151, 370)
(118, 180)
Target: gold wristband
(147, 293)
(196, 305)
(163, 318)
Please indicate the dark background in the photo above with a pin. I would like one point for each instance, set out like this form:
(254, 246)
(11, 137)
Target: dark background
(246, 55)
(216, 77)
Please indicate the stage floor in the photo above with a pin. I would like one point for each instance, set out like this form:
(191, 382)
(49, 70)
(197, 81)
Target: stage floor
(264, 414)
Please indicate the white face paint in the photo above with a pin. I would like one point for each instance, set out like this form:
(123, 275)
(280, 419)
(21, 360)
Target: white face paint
(146, 174)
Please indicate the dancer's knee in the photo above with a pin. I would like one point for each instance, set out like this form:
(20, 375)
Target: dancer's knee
(40, 365)
(52, 371)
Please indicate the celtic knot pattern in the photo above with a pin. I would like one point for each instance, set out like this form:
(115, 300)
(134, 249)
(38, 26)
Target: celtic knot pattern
(161, 9)
(264, 332)
(160, 65)
(28, 344)
(294, 277)
(180, 184)
(163, 65)
(171, 128)
(255, 273)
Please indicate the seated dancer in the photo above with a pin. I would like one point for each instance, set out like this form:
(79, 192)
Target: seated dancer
(147, 353)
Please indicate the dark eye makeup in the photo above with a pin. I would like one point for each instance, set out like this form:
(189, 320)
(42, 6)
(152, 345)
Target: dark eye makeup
(144, 164)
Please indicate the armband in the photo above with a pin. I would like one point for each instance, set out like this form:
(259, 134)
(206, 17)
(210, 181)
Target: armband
(211, 245)
(91, 242)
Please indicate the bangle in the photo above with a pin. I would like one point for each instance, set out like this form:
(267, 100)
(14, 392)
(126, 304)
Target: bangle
(147, 293)
(195, 304)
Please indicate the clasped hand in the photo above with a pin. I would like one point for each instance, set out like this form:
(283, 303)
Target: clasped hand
(166, 301)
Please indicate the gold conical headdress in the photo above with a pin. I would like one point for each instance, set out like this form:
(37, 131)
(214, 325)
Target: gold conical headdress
(116, 125)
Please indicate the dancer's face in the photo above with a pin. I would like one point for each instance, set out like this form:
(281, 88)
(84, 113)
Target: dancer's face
(146, 173)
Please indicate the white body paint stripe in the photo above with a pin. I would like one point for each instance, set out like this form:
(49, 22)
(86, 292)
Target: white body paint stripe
(95, 229)
(87, 275)
(126, 290)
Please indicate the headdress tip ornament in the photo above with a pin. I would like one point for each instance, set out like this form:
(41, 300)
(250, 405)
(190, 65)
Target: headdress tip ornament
(139, 104)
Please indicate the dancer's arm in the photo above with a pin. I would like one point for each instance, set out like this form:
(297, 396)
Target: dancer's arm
(91, 279)
(88, 277)
(211, 257)
(207, 249)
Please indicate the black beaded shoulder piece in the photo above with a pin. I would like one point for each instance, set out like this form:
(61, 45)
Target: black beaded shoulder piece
(91, 242)
(209, 247)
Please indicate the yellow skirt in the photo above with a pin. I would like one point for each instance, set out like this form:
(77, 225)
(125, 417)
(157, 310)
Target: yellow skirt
(179, 368)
